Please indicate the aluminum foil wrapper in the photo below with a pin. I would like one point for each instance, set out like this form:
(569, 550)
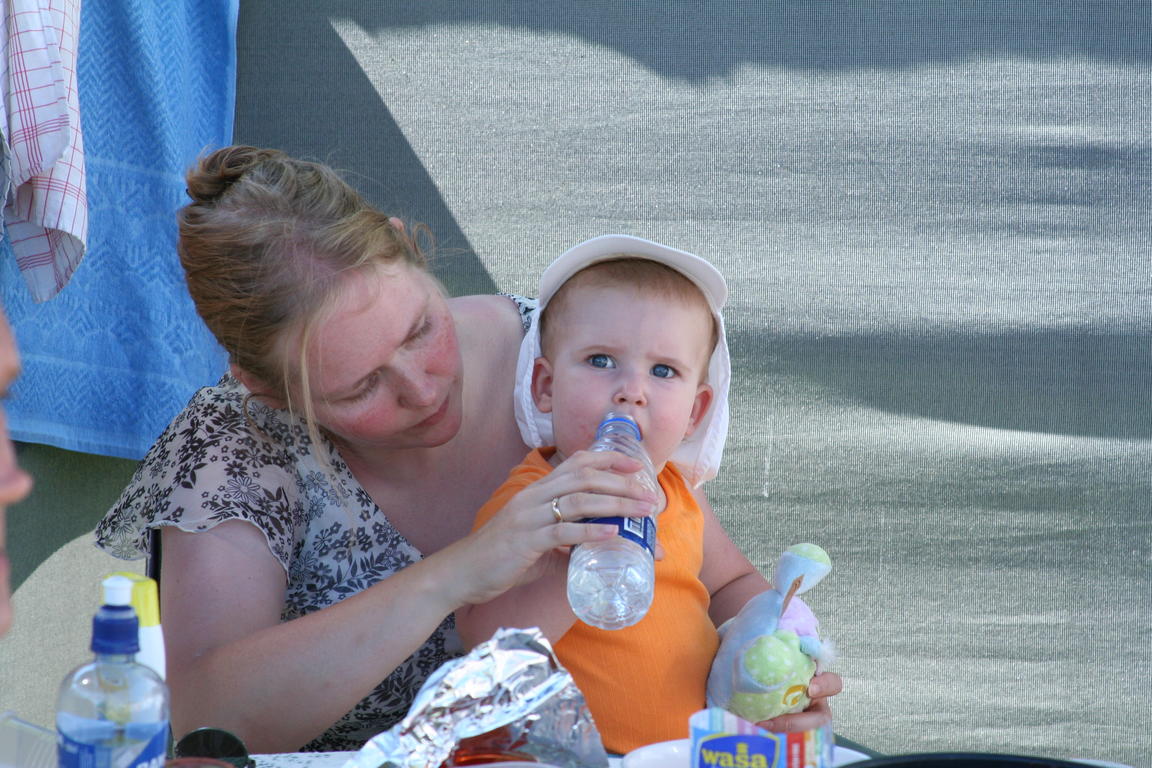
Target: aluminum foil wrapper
(511, 691)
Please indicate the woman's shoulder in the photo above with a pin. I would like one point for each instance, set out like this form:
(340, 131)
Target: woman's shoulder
(504, 311)
(220, 414)
(224, 456)
(490, 330)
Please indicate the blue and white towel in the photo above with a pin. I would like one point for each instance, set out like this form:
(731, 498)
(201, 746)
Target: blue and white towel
(115, 355)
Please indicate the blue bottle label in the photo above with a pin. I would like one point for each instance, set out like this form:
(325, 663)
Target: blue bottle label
(137, 745)
(641, 530)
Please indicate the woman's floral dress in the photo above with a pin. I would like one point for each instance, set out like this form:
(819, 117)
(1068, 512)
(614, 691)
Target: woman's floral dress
(211, 465)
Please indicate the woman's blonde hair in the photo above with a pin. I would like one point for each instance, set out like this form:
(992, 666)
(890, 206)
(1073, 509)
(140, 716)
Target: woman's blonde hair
(265, 245)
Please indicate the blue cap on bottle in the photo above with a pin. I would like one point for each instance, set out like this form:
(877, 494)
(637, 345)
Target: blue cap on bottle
(613, 417)
(115, 628)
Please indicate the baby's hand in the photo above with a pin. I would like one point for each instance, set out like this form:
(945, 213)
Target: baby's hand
(770, 650)
(818, 713)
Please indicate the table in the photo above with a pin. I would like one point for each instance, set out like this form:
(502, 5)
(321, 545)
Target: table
(337, 759)
(328, 760)
(303, 760)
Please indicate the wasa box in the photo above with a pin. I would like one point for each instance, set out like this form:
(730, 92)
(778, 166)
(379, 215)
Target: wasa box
(722, 740)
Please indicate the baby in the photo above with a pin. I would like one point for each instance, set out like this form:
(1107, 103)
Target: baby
(633, 326)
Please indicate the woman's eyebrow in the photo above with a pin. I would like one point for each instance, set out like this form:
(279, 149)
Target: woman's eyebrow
(417, 324)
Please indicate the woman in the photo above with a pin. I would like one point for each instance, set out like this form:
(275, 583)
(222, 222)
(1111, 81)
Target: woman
(314, 505)
(15, 484)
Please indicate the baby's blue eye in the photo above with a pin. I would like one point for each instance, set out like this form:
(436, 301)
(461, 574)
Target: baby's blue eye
(601, 361)
(662, 371)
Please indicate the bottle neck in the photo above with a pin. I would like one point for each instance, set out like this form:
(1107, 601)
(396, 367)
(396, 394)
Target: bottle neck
(116, 658)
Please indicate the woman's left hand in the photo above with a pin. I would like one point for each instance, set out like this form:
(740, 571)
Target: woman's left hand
(818, 713)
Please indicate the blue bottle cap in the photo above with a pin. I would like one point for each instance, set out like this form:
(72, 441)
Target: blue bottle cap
(115, 628)
(619, 418)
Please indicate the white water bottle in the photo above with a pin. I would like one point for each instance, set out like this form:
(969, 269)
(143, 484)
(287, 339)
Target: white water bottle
(113, 711)
(611, 582)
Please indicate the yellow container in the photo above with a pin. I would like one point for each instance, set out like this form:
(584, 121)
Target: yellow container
(146, 603)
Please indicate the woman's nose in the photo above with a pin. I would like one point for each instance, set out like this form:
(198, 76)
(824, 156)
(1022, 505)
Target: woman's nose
(415, 389)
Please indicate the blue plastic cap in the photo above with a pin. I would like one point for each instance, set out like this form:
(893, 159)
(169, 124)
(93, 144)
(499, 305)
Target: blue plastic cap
(619, 418)
(116, 630)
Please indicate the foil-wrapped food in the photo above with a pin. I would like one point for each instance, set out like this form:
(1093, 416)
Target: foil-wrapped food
(507, 700)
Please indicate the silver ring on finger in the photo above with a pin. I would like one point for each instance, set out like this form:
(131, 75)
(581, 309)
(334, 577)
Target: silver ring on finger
(556, 509)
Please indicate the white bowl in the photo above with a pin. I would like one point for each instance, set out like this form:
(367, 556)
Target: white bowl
(664, 754)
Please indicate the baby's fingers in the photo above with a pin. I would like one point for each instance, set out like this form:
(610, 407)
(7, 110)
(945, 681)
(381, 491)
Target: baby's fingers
(818, 712)
(816, 716)
(825, 684)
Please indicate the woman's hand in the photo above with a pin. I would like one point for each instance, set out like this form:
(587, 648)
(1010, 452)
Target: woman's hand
(818, 713)
(527, 537)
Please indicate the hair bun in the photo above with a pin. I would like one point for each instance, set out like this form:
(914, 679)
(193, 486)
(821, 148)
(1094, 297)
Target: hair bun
(215, 173)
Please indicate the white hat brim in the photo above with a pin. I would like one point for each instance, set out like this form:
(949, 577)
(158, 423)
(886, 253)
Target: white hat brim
(698, 456)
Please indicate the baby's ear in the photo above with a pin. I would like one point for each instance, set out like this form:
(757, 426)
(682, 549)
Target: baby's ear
(542, 384)
(699, 408)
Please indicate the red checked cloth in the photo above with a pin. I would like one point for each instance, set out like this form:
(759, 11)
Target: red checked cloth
(45, 201)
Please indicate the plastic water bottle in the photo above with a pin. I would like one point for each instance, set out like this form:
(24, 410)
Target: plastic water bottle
(113, 712)
(610, 583)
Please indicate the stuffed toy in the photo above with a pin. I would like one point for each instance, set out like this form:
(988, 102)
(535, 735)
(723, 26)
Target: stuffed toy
(771, 649)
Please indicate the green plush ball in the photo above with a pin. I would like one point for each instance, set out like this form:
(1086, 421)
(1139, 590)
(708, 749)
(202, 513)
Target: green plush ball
(812, 552)
(776, 662)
